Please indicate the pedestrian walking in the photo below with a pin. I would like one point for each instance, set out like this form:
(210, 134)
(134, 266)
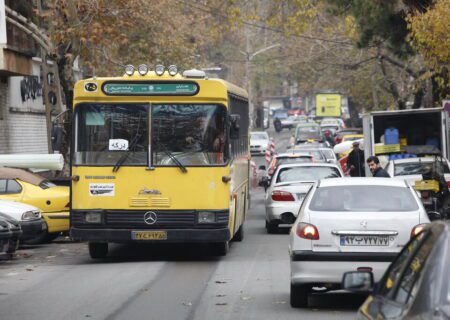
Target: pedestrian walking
(355, 162)
(376, 169)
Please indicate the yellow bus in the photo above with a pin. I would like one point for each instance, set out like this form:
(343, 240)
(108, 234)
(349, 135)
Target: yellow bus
(159, 157)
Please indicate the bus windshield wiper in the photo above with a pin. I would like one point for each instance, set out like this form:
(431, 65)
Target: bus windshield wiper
(124, 157)
(172, 157)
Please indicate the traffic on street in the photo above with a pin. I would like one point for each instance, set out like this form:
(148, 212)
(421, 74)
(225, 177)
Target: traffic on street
(222, 159)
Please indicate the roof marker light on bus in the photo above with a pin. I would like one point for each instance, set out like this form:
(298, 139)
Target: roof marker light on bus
(159, 69)
(142, 69)
(173, 70)
(129, 69)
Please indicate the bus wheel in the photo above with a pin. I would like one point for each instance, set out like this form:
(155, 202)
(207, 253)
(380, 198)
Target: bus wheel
(239, 236)
(221, 248)
(98, 250)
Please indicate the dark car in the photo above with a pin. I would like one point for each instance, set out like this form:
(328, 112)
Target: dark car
(5, 237)
(16, 230)
(415, 286)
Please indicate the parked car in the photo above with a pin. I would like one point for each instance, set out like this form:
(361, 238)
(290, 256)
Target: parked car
(288, 158)
(338, 122)
(415, 286)
(5, 238)
(16, 232)
(340, 133)
(316, 150)
(29, 218)
(259, 140)
(307, 132)
(350, 223)
(54, 201)
(293, 120)
(288, 188)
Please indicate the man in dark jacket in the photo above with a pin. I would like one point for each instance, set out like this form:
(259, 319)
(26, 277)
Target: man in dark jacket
(355, 161)
(376, 169)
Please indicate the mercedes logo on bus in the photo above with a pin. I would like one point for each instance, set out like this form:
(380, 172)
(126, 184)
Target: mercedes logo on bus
(150, 217)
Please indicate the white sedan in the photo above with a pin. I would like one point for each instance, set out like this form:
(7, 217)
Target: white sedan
(288, 187)
(29, 218)
(259, 140)
(350, 224)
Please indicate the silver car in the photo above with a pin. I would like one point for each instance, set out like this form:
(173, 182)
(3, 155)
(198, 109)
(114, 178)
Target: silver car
(289, 186)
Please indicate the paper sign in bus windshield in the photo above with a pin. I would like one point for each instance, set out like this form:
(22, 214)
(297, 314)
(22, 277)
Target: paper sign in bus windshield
(150, 88)
(101, 189)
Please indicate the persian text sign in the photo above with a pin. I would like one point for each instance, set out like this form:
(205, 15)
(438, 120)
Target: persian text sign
(150, 89)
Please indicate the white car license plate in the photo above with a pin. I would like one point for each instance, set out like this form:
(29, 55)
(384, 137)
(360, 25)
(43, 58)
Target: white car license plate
(369, 241)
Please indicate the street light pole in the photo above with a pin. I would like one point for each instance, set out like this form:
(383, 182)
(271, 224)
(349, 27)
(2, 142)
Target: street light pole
(247, 80)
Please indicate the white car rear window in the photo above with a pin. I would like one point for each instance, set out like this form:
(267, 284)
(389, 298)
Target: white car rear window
(305, 173)
(363, 199)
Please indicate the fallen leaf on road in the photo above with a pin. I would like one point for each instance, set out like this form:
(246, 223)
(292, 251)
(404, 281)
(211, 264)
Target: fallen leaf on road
(187, 304)
(87, 316)
(221, 295)
(221, 282)
(29, 269)
(221, 304)
(26, 255)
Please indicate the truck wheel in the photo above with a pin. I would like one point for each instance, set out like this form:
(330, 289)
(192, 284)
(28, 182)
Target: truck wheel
(299, 295)
(98, 250)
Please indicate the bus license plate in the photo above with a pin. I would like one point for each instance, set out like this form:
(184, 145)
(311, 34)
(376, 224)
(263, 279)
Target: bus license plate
(149, 235)
(364, 241)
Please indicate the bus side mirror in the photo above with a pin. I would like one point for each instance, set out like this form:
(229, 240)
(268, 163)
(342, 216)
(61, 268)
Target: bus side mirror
(234, 126)
(57, 137)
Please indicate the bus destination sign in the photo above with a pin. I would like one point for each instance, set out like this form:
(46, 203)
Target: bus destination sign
(150, 89)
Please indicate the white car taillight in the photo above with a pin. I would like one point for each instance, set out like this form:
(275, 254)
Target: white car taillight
(307, 231)
(278, 195)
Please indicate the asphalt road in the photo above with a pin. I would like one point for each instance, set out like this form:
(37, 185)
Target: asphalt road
(153, 282)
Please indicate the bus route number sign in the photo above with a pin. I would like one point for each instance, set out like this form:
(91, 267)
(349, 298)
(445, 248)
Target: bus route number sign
(150, 89)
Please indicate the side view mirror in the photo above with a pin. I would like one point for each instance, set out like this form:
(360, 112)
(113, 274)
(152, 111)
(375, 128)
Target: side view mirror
(263, 167)
(434, 215)
(358, 281)
(57, 137)
(234, 126)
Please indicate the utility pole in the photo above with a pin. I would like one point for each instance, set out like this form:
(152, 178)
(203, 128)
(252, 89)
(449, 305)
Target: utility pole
(249, 56)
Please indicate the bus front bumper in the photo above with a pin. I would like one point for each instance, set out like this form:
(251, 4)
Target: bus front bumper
(173, 235)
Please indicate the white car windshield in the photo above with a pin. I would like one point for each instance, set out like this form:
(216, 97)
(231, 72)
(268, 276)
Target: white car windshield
(306, 173)
(363, 199)
(259, 136)
(411, 168)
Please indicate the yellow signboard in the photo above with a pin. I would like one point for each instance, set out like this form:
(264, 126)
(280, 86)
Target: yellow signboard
(328, 105)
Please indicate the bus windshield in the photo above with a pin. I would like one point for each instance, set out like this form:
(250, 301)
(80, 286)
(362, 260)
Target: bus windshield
(192, 134)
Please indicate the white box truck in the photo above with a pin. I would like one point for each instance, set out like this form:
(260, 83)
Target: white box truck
(415, 127)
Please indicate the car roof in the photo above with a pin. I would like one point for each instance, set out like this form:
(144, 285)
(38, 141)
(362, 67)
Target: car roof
(366, 181)
(312, 164)
(20, 174)
(293, 155)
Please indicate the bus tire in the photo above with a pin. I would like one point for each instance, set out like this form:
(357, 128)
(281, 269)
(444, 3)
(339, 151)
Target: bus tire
(239, 235)
(221, 248)
(98, 250)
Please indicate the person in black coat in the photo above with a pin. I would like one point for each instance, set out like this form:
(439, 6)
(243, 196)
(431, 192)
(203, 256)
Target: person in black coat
(376, 169)
(355, 161)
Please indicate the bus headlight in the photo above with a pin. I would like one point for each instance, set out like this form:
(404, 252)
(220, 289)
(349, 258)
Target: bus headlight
(159, 69)
(129, 69)
(143, 69)
(93, 217)
(206, 217)
(173, 70)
